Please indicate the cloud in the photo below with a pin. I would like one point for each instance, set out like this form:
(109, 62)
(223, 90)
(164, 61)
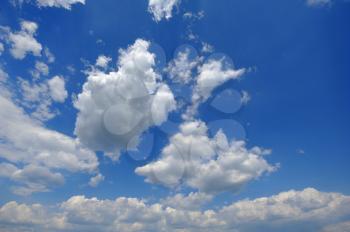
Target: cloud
(307, 210)
(115, 108)
(32, 177)
(193, 201)
(23, 42)
(57, 88)
(318, 2)
(207, 48)
(342, 226)
(162, 8)
(49, 56)
(1, 48)
(16, 217)
(67, 4)
(37, 96)
(96, 180)
(245, 97)
(40, 69)
(211, 165)
(26, 142)
(180, 69)
(103, 61)
(212, 74)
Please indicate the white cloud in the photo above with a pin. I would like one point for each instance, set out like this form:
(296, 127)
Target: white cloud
(162, 8)
(1, 48)
(40, 69)
(318, 2)
(24, 141)
(67, 4)
(16, 217)
(308, 210)
(38, 96)
(207, 48)
(49, 56)
(193, 201)
(96, 180)
(211, 165)
(115, 108)
(32, 177)
(194, 16)
(245, 97)
(3, 75)
(212, 74)
(35, 97)
(23, 42)
(181, 67)
(58, 90)
(103, 61)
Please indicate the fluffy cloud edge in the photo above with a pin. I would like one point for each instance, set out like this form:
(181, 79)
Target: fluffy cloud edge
(305, 210)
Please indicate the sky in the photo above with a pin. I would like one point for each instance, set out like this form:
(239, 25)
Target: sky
(174, 115)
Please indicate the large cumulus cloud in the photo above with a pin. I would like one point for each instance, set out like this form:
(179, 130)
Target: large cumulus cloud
(307, 210)
(211, 165)
(116, 107)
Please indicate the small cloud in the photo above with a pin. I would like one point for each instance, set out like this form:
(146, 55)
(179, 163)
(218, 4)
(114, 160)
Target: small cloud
(207, 48)
(245, 97)
(103, 61)
(96, 180)
(318, 3)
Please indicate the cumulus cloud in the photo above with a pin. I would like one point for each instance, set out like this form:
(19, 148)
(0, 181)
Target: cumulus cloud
(211, 165)
(96, 180)
(23, 42)
(193, 201)
(307, 210)
(58, 90)
(162, 9)
(115, 108)
(103, 61)
(67, 4)
(25, 142)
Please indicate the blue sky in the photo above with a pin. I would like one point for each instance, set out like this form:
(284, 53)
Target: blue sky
(230, 100)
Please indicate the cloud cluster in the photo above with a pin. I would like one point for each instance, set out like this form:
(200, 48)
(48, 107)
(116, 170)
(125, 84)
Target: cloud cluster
(33, 178)
(67, 4)
(22, 42)
(211, 165)
(42, 153)
(307, 210)
(115, 108)
(162, 9)
(181, 68)
(38, 96)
